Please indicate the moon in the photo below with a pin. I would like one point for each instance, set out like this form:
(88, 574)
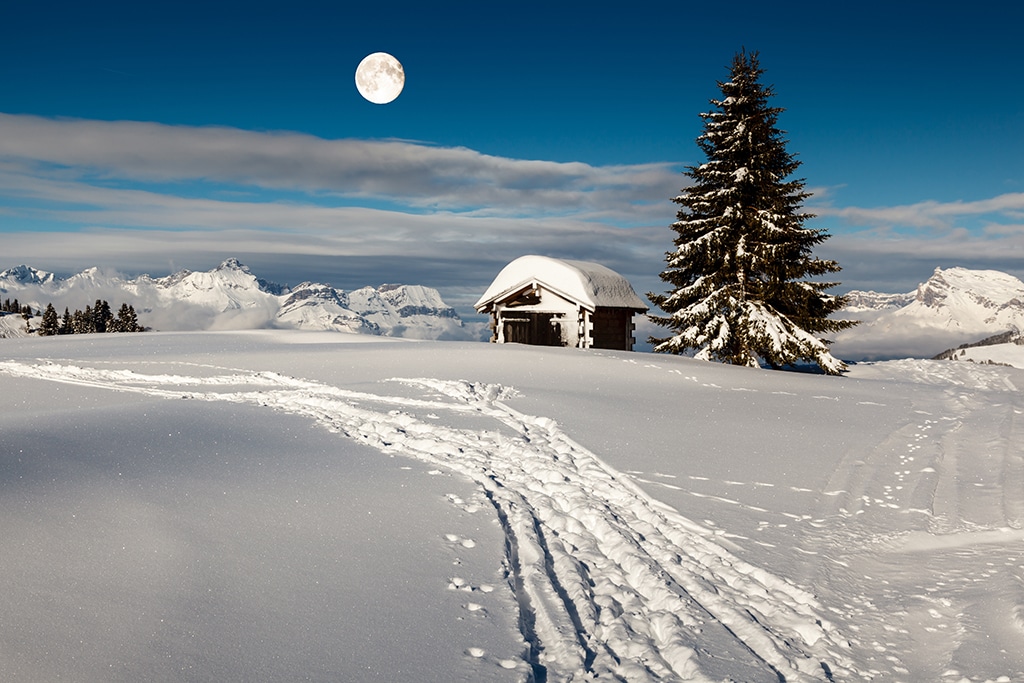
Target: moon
(380, 78)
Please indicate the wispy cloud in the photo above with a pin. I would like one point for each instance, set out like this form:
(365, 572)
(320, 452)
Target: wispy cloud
(140, 196)
(936, 215)
(415, 175)
(147, 196)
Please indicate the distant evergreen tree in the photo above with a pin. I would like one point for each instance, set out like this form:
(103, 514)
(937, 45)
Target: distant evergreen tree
(65, 323)
(82, 321)
(50, 324)
(741, 252)
(133, 319)
(126, 320)
(96, 318)
(101, 316)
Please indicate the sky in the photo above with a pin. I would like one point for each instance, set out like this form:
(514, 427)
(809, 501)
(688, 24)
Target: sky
(150, 137)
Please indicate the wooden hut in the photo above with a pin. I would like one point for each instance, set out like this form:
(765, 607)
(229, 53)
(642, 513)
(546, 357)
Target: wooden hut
(553, 302)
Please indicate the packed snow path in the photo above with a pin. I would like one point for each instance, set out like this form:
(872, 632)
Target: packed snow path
(611, 584)
(943, 494)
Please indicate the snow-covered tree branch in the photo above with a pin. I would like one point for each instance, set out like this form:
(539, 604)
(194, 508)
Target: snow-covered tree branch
(739, 293)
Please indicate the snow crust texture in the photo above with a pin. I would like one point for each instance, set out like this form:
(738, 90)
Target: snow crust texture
(719, 524)
(609, 582)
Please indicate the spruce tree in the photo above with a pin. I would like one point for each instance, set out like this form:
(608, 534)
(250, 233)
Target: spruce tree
(742, 253)
(131, 320)
(65, 323)
(85, 323)
(101, 316)
(50, 324)
(120, 323)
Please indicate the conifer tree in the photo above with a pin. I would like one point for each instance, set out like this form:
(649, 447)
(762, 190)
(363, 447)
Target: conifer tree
(118, 324)
(65, 323)
(101, 316)
(50, 324)
(133, 320)
(742, 253)
(127, 320)
(85, 323)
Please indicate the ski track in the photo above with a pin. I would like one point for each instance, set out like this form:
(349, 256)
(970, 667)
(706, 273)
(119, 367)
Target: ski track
(611, 584)
(947, 487)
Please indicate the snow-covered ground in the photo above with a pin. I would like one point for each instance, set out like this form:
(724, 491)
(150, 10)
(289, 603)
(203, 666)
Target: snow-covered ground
(1002, 354)
(278, 505)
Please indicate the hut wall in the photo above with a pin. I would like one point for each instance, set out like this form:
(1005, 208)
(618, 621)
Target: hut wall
(612, 329)
(551, 321)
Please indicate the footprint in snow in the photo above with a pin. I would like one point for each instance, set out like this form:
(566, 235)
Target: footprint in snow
(470, 507)
(476, 609)
(480, 653)
(464, 542)
(457, 583)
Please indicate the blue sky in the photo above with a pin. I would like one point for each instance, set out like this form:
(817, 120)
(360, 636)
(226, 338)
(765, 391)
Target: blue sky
(153, 136)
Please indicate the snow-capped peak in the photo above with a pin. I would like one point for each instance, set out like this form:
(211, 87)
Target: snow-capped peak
(975, 292)
(229, 286)
(954, 306)
(233, 264)
(230, 296)
(24, 275)
(858, 301)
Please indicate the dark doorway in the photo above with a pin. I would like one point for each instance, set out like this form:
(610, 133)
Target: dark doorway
(538, 329)
(613, 329)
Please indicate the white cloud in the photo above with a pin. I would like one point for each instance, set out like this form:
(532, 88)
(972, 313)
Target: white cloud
(930, 214)
(417, 175)
(152, 197)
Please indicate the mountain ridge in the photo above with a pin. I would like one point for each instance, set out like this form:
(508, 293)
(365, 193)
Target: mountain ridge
(231, 296)
(954, 306)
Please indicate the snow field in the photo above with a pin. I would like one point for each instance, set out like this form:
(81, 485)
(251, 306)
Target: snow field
(603, 585)
(860, 528)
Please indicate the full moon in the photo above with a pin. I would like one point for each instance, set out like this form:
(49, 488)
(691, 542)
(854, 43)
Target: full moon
(380, 78)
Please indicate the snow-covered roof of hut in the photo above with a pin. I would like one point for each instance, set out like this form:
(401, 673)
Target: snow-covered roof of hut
(588, 284)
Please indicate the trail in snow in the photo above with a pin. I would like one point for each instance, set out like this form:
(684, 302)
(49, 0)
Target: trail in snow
(610, 583)
(946, 489)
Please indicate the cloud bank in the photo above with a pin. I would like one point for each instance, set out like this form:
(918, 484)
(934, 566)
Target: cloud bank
(416, 175)
(151, 197)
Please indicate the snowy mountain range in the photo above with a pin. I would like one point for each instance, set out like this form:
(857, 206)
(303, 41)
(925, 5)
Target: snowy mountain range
(953, 307)
(231, 297)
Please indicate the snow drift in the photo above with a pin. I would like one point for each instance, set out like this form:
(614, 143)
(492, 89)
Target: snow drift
(237, 506)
